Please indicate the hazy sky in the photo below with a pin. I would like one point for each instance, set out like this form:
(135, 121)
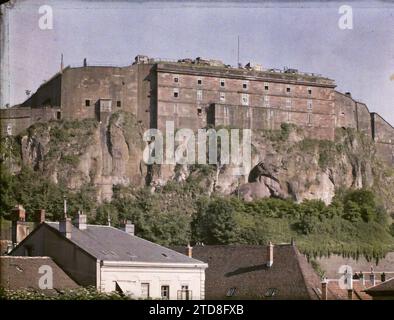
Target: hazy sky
(300, 34)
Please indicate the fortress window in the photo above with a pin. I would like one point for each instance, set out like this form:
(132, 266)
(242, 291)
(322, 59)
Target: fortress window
(58, 115)
(222, 97)
(245, 85)
(176, 93)
(199, 82)
(222, 82)
(266, 101)
(199, 111)
(118, 104)
(266, 86)
(309, 119)
(87, 103)
(176, 79)
(245, 99)
(199, 95)
(288, 89)
(309, 105)
(309, 91)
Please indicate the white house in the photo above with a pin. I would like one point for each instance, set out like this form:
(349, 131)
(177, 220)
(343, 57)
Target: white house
(116, 260)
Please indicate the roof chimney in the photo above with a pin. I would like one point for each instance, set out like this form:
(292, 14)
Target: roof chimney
(39, 216)
(324, 289)
(20, 229)
(80, 221)
(189, 251)
(350, 294)
(65, 227)
(270, 254)
(372, 278)
(127, 227)
(362, 278)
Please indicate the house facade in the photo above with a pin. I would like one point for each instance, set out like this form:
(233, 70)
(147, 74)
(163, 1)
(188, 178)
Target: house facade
(116, 260)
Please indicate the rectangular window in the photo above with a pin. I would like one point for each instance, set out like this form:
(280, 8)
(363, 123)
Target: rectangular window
(199, 95)
(199, 111)
(118, 104)
(309, 91)
(145, 290)
(165, 292)
(222, 83)
(222, 97)
(266, 86)
(245, 99)
(266, 101)
(185, 293)
(245, 86)
(199, 82)
(176, 79)
(87, 103)
(176, 93)
(288, 89)
(309, 105)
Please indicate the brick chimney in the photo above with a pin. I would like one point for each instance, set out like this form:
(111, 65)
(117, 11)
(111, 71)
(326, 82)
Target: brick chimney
(189, 251)
(20, 228)
(372, 277)
(350, 294)
(39, 216)
(270, 254)
(80, 221)
(324, 289)
(65, 227)
(127, 227)
(362, 278)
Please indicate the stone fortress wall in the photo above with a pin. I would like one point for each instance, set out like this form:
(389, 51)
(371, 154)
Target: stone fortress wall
(197, 93)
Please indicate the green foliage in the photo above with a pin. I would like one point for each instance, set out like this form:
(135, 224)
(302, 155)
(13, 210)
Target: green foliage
(34, 192)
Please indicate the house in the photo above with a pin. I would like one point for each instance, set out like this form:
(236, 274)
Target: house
(382, 291)
(40, 274)
(277, 272)
(115, 260)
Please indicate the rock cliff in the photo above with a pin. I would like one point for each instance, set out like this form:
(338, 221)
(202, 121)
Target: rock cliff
(285, 164)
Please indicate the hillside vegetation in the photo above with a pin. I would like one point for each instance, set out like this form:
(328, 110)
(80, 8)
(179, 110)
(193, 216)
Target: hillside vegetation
(330, 197)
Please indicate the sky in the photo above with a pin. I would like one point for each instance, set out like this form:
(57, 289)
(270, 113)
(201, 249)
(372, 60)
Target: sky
(304, 35)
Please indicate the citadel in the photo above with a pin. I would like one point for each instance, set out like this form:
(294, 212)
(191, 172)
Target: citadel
(196, 93)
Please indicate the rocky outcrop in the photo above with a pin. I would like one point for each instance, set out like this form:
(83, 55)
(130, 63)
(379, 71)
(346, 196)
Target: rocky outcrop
(285, 164)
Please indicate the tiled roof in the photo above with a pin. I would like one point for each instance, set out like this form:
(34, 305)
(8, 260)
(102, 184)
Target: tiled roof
(242, 269)
(384, 287)
(23, 273)
(337, 293)
(111, 244)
